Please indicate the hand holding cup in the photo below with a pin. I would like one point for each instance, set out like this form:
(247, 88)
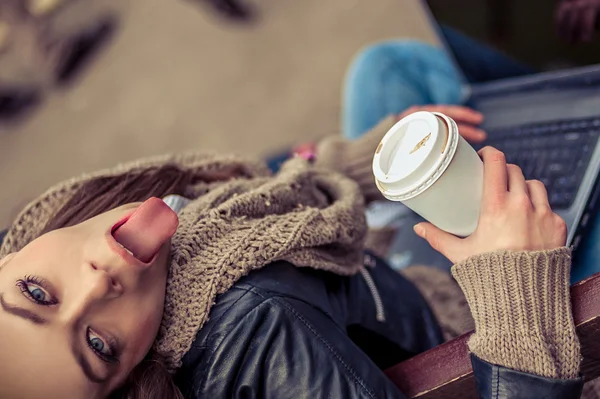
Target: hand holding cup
(515, 215)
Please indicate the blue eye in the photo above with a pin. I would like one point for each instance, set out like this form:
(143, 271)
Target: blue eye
(97, 344)
(37, 294)
(34, 289)
(103, 349)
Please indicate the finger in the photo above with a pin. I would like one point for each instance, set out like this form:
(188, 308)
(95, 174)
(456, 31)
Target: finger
(575, 24)
(563, 16)
(516, 180)
(495, 179)
(471, 134)
(458, 113)
(568, 20)
(588, 24)
(561, 230)
(538, 195)
(572, 24)
(410, 110)
(445, 243)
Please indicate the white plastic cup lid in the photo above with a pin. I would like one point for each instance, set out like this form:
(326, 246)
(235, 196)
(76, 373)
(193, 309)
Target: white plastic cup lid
(413, 154)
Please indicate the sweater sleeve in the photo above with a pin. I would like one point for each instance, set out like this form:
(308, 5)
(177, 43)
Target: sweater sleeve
(355, 158)
(522, 310)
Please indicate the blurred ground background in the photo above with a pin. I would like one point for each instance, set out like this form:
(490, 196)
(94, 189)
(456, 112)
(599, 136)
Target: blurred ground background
(176, 77)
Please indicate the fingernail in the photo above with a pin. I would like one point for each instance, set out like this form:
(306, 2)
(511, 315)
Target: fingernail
(419, 230)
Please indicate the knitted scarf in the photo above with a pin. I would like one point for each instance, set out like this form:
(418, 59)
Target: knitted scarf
(307, 216)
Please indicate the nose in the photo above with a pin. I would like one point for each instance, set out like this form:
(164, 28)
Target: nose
(106, 283)
(98, 284)
(105, 260)
(94, 287)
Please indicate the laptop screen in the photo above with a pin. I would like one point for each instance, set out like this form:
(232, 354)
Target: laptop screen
(498, 39)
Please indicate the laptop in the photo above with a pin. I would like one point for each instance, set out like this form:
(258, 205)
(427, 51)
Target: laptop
(540, 96)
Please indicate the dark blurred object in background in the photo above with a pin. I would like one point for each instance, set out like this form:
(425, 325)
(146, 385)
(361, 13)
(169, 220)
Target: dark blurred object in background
(546, 35)
(578, 20)
(235, 10)
(48, 43)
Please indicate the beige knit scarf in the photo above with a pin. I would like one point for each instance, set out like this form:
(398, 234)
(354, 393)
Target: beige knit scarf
(303, 215)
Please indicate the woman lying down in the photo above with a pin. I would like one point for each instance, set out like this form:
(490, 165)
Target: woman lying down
(243, 284)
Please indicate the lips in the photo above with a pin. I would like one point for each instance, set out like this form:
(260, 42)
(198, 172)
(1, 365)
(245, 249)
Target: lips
(146, 230)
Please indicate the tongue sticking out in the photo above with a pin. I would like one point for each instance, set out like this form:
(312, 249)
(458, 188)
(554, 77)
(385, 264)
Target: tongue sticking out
(147, 229)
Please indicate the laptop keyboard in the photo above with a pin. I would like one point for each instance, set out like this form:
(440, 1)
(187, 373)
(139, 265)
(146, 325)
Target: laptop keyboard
(556, 153)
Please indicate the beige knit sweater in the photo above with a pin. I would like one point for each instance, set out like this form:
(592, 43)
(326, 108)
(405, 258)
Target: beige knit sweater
(312, 216)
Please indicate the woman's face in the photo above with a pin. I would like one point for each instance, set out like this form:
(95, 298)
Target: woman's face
(77, 311)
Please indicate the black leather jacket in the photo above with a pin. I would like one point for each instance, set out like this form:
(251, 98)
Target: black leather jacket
(287, 332)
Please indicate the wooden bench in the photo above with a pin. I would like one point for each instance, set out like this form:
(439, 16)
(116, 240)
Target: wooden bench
(445, 371)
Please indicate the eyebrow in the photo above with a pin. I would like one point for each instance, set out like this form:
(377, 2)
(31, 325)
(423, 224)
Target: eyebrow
(34, 318)
(21, 312)
(86, 367)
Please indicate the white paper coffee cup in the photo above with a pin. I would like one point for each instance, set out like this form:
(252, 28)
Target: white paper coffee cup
(423, 162)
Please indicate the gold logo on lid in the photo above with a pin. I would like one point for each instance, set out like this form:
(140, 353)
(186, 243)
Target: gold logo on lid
(421, 143)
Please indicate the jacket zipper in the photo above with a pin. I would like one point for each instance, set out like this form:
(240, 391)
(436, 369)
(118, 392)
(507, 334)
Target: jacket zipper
(380, 313)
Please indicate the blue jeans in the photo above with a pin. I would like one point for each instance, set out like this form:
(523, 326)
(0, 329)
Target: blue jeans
(388, 78)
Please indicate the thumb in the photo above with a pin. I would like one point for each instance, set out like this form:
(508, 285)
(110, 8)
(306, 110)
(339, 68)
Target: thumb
(445, 243)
